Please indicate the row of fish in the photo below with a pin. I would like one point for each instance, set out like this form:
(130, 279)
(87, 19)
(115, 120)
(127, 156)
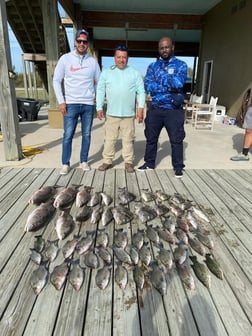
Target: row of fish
(180, 225)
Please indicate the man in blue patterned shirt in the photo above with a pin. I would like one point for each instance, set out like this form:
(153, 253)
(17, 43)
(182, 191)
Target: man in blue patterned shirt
(164, 82)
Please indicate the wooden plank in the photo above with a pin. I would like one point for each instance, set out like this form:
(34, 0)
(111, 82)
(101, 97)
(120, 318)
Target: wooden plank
(199, 300)
(45, 311)
(234, 274)
(125, 307)
(98, 316)
(71, 316)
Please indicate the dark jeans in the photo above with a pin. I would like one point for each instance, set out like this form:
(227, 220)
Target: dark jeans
(74, 111)
(173, 121)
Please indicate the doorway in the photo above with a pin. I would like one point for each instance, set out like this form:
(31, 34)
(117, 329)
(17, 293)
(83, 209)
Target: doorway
(206, 83)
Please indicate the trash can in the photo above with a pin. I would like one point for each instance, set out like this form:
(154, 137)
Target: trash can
(28, 108)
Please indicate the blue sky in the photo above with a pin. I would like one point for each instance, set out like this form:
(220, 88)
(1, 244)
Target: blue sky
(140, 64)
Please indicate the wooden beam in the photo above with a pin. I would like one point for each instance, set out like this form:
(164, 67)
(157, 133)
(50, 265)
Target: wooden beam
(50, 22)
(8, 103)
(144, 48)
(34, 57)
(140, 20)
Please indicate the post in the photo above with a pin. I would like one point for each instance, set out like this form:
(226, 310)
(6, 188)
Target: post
(8, 103)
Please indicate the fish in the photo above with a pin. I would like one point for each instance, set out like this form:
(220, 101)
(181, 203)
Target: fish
(76, 275)
(176, 210)
(120, 238)
(125, 196)
(95, 199)
(66, 197)
(59, 274)
(43, 195)
(197, 245)
(145, 254)
(214, 266)
(204, 239)
(69, 247)
(161, 209)
(83, 213)
(83, 197)
(192, 220)
(105, 255)
(165, 235)
(165, 257)
(64, 225)
(35, 256)
(40, 216)
(85, 243)
(39, 278)
(106, 199)
(201, 271)
(107, 216)
(200, 214)
(186, 275)
(39, 243)
(161, 195)
(122, 255)
(134, 255)
(122, 215)
(182, 236)
(96, 215)
(182, 224)
(145, 212)
(157, 278)
(180, 253)
(138, 276)
(121, 276)
(102, 238)
(147, 195)
(91, 259)
(102, 277)
(169, 223)
(51, 250)
(138, 239)
(152, 234)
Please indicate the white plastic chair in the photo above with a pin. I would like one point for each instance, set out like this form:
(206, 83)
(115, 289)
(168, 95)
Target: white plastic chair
(203, 114)
(194, 99)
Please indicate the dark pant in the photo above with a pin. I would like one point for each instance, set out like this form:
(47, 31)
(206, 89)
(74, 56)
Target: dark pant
(173, 121)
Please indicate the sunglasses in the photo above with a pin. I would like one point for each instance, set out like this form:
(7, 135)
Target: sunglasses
(81, 41)
(121, 48)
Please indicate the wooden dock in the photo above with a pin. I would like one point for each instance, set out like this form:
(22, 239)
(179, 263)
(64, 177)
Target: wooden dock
(224, 309)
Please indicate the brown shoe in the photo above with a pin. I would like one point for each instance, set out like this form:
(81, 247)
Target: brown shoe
(129, 168)
(105, 166)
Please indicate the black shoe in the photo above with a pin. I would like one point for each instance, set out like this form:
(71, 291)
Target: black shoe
(178, 173)
(144, 167)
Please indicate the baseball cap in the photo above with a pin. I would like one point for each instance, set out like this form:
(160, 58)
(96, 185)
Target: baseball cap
(81, 32)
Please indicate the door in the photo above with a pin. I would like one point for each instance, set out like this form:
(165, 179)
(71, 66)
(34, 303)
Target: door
(206, 83)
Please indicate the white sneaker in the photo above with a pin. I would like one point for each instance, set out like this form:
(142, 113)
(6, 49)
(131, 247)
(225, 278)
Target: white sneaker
(64, 170)
(85, 166)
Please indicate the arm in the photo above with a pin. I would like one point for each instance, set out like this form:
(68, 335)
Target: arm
(152, 82)
(141, 98)
(100, 96)
(58, 77)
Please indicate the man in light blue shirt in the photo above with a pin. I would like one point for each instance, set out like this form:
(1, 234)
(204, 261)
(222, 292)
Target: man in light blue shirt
(122, 86)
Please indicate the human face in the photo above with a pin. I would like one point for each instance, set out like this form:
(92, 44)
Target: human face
(166, 48)
(121, 59)
(81, 44)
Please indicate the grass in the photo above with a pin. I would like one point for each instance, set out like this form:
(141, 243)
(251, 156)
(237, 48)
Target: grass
(40, 93)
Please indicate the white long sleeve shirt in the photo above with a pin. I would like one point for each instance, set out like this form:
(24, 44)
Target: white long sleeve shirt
(80, 74)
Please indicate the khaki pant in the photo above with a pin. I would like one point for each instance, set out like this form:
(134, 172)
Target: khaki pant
(112, 127)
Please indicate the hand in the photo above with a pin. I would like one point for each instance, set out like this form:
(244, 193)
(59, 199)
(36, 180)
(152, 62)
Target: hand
(140, 114)
(62, 108)
(100, 114)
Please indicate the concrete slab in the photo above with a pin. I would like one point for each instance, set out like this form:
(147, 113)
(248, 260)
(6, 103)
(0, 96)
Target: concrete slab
(203, 149)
